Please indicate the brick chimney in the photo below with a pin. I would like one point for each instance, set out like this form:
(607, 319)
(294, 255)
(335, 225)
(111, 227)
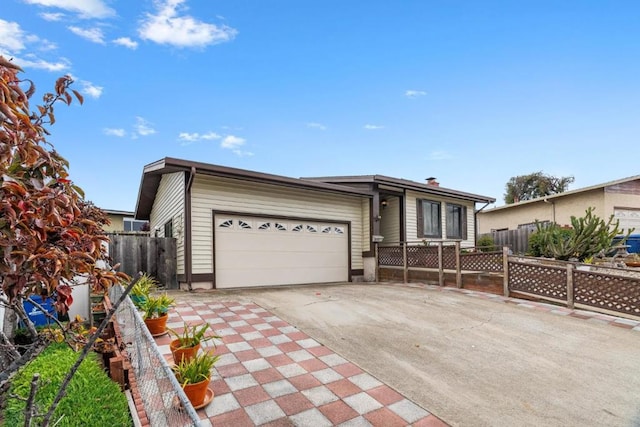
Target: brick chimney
(432, 181)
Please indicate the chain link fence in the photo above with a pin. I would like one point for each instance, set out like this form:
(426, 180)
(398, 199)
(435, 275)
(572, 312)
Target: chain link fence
(164, 401)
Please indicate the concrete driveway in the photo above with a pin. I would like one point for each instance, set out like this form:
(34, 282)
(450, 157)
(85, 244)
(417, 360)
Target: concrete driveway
(471, 361)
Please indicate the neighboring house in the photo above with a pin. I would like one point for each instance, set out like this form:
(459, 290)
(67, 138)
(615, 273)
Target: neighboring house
(122, 221)
(619, 198)
(237, 228)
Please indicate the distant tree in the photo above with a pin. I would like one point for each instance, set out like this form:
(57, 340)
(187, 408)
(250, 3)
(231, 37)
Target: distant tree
(534, 185)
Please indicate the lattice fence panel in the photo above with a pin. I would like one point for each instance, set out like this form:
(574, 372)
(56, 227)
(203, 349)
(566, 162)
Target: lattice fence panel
(449, 257)
(616, 293)
(550, 282)
(482, 261)
(422, 256)
(390, 255)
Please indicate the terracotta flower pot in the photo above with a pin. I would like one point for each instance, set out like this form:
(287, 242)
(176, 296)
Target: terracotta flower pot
(157, 325)
(196, 392)
(182, 354)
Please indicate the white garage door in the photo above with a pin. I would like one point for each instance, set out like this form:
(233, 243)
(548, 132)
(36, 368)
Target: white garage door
(629, 218)
(252, 251)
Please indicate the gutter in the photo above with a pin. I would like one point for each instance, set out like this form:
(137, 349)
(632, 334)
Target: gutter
(188, 257)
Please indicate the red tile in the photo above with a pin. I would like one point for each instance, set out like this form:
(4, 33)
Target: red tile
(296, 336)
(209, 316)
(251, 306)
(343, 388)
(313, 365)
(430, 421)
(260, 342)
(278, 323)
(245, 355)
(231, 370)
(279, 360)
(622, 325)
(385, 417)
(347, 370)
(385, 395)
(219, 349)
(304, 382)
(244, 329)
(219, 387)
(267, 375)
(229, 339)
(294, 403)
(270, 332)
(338, 412)
(282, 422)
(164, 340)
(237, 418)
(264, 314)
(289, 346)
(320, 351)
(254, 321)
(251, 395)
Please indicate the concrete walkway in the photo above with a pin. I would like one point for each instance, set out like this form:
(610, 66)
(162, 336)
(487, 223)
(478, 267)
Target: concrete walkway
(470, 358)
(271, 373)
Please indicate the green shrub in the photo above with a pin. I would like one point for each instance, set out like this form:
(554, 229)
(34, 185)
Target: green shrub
(536, 239)
(92, 398)
(486, 243)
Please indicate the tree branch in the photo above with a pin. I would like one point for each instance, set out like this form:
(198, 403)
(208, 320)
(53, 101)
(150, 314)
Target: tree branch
(29, 410)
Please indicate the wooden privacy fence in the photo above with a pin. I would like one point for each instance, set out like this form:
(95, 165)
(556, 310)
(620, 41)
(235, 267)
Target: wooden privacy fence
(153, 255)
(516, 240)
(440, 255)
(607, 290)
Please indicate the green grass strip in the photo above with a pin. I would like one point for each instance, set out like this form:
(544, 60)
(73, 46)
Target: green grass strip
(92, 398)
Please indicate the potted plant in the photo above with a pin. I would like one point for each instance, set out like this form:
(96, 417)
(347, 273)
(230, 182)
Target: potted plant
(185, 346)
(194, 375)
(142, 289)
(155, 313)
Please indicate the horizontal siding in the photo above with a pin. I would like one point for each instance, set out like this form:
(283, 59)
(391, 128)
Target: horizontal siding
(412, 226)
(221, 194)
(390, 222)
(366, 226)
(169, 205)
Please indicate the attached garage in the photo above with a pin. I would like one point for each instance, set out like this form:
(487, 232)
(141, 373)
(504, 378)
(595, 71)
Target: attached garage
(267, 251)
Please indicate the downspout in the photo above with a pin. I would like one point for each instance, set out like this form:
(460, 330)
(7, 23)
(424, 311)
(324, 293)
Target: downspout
(553, 208)
(188, 257)
(475, 222)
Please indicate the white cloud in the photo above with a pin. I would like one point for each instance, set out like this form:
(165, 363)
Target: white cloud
(319, 126)
(126, 42)
(232, 142)
(373, 127)
(187, 138)
(143, 127)
(414, 93)
(31, 61)
(84, 8)
(52, 16)
(241, 153)
(120, 133)
(90, 89)
(439, 155)
(12, 37)
(167, 26)
(94, 35)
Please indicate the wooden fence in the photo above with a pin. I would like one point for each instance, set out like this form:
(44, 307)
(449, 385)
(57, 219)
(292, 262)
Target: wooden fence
(153, 255)
(516, 240)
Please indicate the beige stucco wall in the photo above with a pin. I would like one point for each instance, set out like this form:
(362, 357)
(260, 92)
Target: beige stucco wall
(221, 194)
(169, 205)
(411, 215)
(117, 223)
(558, 209)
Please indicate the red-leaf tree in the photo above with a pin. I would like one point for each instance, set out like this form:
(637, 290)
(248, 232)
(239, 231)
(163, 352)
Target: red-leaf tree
(49, 235)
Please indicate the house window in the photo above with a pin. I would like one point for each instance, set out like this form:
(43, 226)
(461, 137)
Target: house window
(131, 224)
(456, 221)
(429, 219)
(168, 228)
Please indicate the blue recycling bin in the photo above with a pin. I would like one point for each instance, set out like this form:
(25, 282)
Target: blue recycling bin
(37, 316)
(634, 243)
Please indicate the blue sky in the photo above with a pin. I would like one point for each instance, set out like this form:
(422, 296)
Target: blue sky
(471, 92)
